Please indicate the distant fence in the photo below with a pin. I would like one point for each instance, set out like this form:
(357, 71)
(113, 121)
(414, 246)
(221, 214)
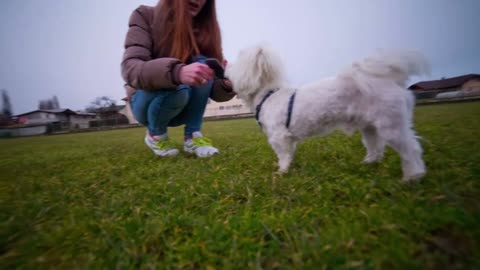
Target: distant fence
(20, 131)
(432, 101)
(62, 127)
(110, 124)
(65, 127)
(439, 97)
(229, 116)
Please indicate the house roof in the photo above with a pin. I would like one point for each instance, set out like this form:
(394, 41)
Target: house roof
(114, 108)
(444, 83)
(56, 111)
(85, 113)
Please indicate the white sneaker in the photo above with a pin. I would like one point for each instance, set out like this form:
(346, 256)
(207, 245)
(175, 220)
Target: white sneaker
(200, 146)
(161, 145)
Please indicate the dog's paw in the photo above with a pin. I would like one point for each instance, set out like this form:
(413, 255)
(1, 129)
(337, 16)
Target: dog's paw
(370, 159)
(281, 172)
(413, 178)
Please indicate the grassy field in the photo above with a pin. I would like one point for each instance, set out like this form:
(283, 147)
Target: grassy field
(102, 200)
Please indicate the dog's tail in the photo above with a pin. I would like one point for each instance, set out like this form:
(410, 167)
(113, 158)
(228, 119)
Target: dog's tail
(395, 66)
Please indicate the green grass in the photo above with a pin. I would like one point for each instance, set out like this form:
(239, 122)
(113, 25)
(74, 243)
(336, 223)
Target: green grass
(102, 200)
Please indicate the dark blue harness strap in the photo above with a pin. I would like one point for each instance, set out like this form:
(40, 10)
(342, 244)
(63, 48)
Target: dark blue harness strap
(290, 108)
(259, 106)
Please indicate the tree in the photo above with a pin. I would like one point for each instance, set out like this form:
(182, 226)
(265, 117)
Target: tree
(107, 111)
(101, 104)
(56, 104)
(49, 104)
(6, 105)
(44, 105)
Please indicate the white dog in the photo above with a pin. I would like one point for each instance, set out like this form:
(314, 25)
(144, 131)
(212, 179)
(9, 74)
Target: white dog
(369, 96)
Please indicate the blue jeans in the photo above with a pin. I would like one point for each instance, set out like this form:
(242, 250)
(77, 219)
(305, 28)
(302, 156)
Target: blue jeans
(185, 105)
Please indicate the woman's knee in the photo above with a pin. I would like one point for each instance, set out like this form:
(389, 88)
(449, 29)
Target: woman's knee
(139, 105)
(179, 99)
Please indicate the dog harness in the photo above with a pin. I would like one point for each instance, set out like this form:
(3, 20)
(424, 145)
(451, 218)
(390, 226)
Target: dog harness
(289, 112)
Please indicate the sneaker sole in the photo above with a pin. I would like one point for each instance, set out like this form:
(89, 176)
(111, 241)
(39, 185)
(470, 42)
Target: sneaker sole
(191, 151)
(188, 150)
(169, 153)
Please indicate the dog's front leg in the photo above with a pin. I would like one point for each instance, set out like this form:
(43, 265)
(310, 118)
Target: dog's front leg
(284, 147)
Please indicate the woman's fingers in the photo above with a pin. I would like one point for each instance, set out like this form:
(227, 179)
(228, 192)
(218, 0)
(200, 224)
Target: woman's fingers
(196, 74)
(203, 74)
(206, 72)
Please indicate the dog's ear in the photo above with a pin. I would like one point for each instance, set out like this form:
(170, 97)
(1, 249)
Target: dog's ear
(260, 53)
(269, 66)
(266, 65)
(266, 68)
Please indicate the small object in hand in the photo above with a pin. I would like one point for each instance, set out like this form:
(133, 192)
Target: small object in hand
(215, 65)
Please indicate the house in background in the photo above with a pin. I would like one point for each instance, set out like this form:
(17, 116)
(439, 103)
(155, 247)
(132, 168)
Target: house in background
(127, 111)
(233, 107)
(40, 122)
(60, 118)
(455, 87)
(5, 121)
(110, 116)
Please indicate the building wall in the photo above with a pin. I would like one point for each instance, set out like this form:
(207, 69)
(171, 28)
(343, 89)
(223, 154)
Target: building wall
(43, 117)
(36, 116)
(60, 117)
(471, 87)
(81, 121)
(76, 121)
(232, 107)
(127, 111)
(26, 131)
(453, 94)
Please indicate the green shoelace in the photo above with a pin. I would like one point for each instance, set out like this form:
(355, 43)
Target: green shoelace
(165, 144)
(201, 141)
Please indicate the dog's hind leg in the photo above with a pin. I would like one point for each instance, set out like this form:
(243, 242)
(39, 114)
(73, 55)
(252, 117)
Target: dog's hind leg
(406, 144)
(373, 143)
(284, 147)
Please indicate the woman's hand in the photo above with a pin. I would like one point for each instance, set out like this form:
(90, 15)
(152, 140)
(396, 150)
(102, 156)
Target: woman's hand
(196, 74)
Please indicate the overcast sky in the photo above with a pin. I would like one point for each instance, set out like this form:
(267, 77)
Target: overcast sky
(73, 48)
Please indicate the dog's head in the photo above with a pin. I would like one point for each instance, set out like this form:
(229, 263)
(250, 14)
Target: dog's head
(256, 69)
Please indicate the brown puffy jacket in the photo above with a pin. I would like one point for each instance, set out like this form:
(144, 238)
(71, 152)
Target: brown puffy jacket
(142, 69)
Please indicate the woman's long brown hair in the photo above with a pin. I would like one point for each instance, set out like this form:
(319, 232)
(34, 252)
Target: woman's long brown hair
(173, 31)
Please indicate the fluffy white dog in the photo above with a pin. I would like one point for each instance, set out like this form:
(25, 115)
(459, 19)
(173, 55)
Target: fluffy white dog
(369, 96)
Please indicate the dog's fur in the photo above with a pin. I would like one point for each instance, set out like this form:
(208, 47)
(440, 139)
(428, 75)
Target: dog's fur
(369, 96)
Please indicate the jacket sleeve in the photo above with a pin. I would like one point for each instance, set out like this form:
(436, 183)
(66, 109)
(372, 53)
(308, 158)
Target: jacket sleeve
(221, 92)
(139, 70)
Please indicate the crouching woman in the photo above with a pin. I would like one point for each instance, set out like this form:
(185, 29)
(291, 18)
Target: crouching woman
(168, 83)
